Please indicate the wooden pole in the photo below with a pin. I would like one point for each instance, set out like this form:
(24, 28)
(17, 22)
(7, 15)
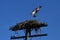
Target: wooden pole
(26, 35)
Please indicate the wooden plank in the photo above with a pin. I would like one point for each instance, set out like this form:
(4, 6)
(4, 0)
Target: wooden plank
(13, 37)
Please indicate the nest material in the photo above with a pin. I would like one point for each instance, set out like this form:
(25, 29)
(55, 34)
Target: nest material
(28, 24)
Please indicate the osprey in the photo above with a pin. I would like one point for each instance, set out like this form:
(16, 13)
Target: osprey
(35, 11)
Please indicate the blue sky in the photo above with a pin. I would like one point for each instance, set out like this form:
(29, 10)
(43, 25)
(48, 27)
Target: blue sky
(14, 11)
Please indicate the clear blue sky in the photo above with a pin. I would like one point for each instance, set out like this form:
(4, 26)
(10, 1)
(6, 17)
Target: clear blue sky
(14, 11)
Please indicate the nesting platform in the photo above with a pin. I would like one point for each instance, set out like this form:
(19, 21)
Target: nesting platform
(28, 24)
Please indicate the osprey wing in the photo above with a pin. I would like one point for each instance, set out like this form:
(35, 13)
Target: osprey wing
(35, 11)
